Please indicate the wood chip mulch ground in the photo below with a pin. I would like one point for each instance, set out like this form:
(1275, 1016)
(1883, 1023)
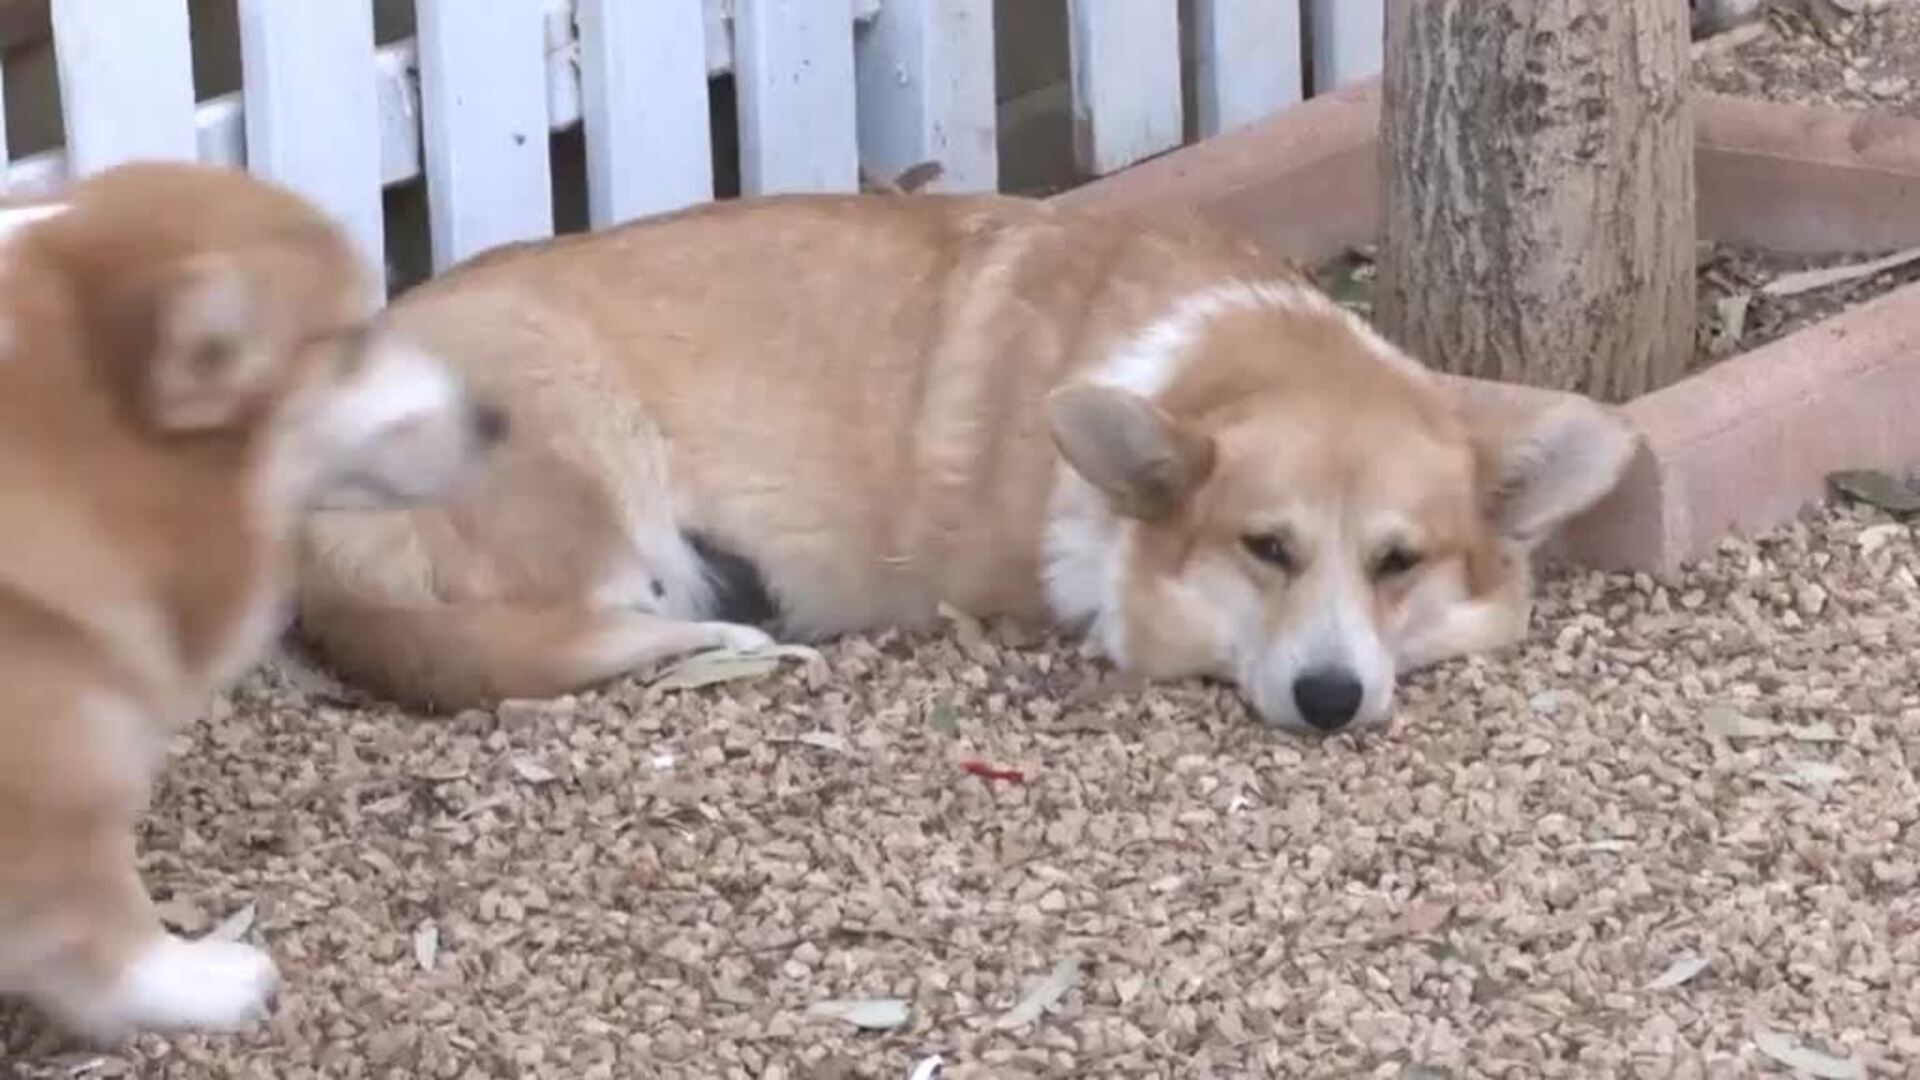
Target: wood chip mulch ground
(1677, 832)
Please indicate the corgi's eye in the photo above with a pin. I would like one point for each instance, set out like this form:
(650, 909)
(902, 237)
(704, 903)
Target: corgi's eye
(1396, 561)
(1269, 549)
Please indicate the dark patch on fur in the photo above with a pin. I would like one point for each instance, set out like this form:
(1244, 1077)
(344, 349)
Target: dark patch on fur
(740, 593)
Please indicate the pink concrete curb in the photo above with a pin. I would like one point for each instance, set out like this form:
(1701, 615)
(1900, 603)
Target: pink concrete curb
(1303, 183)
(1798, 178)
(1740, 447)
(1745, 444)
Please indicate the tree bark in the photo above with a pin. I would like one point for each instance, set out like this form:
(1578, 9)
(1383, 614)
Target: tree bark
(1538, 203)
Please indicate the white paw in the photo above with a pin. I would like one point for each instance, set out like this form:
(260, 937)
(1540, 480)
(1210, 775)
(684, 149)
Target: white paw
(740, 638)
(180, 985)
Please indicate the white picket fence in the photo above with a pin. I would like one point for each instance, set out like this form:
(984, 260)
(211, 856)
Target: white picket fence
(823, 87)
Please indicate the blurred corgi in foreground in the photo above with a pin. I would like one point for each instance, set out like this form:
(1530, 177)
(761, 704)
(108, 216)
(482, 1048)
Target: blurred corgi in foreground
(800, 416)
(185, 363)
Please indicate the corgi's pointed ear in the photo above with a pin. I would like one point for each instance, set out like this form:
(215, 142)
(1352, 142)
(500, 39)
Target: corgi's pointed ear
(1127, 447)
(209, 362)
(1543, 464)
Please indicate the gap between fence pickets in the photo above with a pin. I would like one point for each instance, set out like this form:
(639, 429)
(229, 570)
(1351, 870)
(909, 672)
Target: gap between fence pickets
(221, 130)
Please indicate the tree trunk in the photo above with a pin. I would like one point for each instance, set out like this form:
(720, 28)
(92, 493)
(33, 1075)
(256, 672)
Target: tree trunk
(1538, 204)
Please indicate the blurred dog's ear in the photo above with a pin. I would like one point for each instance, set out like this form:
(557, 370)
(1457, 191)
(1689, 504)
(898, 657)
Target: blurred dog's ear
(209, 361)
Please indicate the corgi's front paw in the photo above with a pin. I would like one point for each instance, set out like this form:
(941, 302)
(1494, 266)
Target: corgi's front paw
(207, 986)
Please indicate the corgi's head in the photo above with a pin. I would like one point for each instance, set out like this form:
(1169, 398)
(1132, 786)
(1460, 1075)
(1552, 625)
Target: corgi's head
(1289, 503)
(224, 310)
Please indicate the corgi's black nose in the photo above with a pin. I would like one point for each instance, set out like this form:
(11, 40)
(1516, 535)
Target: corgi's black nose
(489, 422)
(1328, 698)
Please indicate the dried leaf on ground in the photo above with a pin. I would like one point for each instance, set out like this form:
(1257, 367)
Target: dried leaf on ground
(732, 993)
(1730, 723)
(426, 944)
(906, 182)
(716, 666)
(1816, 774)
(1348, 280)
(914, 177)
(1875, 537)
(532, 771)
(1044, 995)
(1877, 488)
(1728, 41)
(1733, 320)
(872, 1014)
(233, 927)
(1682, 971)
(1817, 732)
(943, 718)
(1791, 1052)
(824, 740)
(90, 1066)
(1809, 280)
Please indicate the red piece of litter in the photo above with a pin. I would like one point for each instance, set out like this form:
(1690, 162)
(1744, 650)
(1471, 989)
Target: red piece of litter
(988, 772)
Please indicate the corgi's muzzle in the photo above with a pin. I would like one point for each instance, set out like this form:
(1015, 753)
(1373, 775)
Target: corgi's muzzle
(1327, 670)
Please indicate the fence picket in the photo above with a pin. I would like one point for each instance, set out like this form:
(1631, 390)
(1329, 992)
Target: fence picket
(643, 87)
(1125, 58)
(926, 91)
(1247, 61)
(483, 104)
(6, 155)
(126, 81)
(1349, 41)
(311, 123)
(793, 70)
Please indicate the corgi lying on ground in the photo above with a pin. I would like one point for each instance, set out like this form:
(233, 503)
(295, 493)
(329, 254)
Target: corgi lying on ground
(185, 362)
(806, 415)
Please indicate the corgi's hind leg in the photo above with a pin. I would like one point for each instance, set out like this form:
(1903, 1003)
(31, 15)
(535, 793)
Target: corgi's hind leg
(442, 657)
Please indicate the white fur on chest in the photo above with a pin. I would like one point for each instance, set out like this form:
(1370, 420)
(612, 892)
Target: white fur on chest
(1084, 562)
